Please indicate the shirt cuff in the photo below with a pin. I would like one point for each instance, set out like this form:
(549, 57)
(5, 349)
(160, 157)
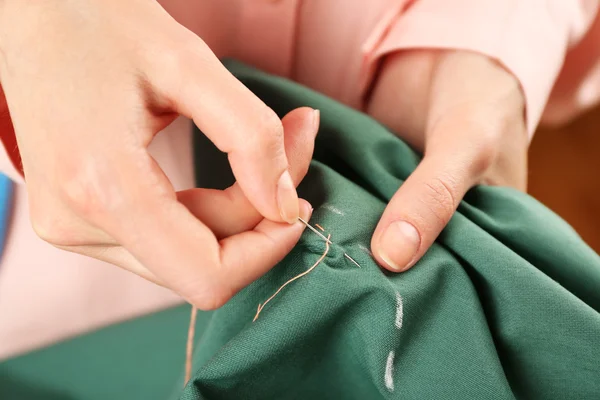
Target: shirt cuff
(529, 38)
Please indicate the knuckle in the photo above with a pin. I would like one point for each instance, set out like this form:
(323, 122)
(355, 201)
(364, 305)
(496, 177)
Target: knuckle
(440, 198)
(207, 291)
(82, 197)
(211, 298)
(180, 58)
(186, 49)
(485, 156)
(89, 192)
(477, 133)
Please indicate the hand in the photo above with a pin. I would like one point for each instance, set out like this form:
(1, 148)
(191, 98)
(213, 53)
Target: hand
(88, 85)
(466, 113)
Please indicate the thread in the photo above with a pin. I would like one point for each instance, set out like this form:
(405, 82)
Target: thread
(189, 348)
(309, 226)
(261, 306)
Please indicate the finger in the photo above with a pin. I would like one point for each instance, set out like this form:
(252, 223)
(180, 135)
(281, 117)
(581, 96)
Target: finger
(228, 212)
(115, 255)
(214, 274)
(241, 125)
(184, 253)
(422, 207)
(255, 251)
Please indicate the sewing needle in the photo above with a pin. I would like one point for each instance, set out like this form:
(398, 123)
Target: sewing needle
(309, 226)
(352, 260)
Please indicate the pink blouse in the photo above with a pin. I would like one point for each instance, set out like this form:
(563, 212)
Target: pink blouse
(334, 46)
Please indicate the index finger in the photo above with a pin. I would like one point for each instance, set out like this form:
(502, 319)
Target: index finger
(185, 254)
(242, 126)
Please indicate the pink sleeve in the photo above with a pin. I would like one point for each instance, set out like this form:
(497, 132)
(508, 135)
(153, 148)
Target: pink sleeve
(578, 86)
(530, 38)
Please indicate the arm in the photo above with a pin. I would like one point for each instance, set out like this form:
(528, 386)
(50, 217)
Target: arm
(528, 38)
(85, 104)
(465, 82)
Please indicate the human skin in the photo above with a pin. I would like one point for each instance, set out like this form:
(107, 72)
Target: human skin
(84, 117)
(466, 113)
(95, 190)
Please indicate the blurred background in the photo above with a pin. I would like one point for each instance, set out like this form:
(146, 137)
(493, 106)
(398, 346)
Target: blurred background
(564, 169)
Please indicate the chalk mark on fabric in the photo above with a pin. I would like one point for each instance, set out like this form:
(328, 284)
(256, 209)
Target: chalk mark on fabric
(262, 306)
(365, 249)
(332, 209)
(189, 349)
(389, 371)
(399, 311)
(389, 364)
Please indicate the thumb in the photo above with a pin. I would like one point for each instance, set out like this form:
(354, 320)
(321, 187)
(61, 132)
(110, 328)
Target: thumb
(241, 125)
(420, 209)
(228, 212)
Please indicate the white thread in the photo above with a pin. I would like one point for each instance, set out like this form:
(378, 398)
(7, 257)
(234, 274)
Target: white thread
(189, 350)
(389, 370)
(399, 311)
(332, 209)
(389, 365)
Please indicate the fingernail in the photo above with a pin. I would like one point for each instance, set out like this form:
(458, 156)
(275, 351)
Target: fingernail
(316, 119)
(306, 211)
(398, 245)
(287, 198)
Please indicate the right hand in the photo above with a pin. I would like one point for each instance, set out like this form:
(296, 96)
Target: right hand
(88, 85)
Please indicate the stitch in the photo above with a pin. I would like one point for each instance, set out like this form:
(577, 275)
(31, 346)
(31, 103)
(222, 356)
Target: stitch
(389, 370)
(189, 350)
(320, 227)
(261, 306)
(309, 226)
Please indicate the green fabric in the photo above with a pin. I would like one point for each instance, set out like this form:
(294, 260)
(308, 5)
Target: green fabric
(504, 305)
(138, 359)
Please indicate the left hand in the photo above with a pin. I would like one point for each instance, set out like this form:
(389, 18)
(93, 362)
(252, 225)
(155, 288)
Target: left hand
(467, 114)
